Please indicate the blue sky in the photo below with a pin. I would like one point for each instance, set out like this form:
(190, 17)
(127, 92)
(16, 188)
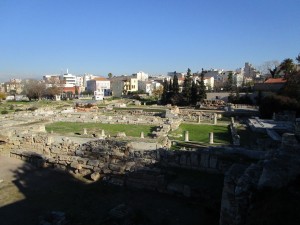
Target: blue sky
(39, 37)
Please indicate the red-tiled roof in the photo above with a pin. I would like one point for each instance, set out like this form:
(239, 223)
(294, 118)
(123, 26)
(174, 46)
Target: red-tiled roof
(275, 81)
(100, 79)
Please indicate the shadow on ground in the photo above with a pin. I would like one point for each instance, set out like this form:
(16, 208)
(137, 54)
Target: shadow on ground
(47, 190)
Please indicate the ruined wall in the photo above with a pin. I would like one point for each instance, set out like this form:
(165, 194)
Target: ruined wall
(112, 155)
(241, 182)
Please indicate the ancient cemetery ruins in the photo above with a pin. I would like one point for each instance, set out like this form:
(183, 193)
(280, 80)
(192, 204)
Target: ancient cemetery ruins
(142, 162)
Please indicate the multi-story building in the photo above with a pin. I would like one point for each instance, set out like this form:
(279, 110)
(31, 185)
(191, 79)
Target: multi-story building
(100, 86)
(69, 83)
(14, 86)
(148, 86)
(123, 85)
(87, 77)
(69, 80)
(249, 71)
(2, 88)
(141, 76)
(52, 80)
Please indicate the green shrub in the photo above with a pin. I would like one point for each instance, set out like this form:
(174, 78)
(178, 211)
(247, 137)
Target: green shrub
(18, 110)
(4, 112)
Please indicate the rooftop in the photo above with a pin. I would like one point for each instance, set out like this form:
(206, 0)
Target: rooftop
(275, 81)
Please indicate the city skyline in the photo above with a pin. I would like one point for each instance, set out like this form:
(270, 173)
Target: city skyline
(123, 37)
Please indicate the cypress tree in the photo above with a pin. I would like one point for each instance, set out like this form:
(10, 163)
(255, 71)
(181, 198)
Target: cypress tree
(194, 93)
(175, 84)
(202, 89)
(165, 92)
(187, 85)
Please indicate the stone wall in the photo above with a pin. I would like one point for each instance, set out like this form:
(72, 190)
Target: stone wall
(109, 156)
(241, 182)
(233, 131)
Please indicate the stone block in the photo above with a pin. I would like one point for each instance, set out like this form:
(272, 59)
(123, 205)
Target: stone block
(93, 162)
(76, 165)
(95, 176)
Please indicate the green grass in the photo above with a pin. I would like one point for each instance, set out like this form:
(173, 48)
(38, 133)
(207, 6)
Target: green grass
(200, 133)
(111, 129)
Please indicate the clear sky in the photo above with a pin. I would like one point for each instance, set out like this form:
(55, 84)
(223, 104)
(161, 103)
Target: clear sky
(39, 37)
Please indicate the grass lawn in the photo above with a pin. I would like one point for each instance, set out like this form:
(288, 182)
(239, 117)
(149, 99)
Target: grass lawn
(200, 133)
(111, 129)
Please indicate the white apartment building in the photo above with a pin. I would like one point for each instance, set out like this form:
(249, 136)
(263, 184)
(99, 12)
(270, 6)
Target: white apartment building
(141, 76)
(87, 77)
(209, 83)
(100, 86)
(148, 86)
(239, 79)
(69, 80)
(249, 71)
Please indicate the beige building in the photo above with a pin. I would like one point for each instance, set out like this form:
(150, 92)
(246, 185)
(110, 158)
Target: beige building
(123, 85)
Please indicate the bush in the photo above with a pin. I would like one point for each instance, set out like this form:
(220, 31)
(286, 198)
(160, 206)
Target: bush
(18, 110)
(4, 112)
(277, 103)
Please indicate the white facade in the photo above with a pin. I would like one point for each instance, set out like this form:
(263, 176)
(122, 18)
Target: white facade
(141, 76)
(87, 77)
(209, 83)
(239, 79)
(249, 71)
(100, 86)
(69, 80)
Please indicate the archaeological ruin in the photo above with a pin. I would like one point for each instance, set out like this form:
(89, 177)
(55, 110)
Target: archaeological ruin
(143, 163)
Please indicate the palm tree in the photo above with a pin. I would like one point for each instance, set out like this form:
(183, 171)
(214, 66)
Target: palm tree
(287, 66)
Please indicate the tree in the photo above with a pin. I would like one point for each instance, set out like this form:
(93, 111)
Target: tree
(34, 89)
(268, 66)
(292, 87)
(202, 89)
(194, 92)
(273, 72)
(277, 103)
(298, 58)
(110, 75)
(187, 85)
(288, 67)
(175, 84)
(2, 96)
(229, 82)
(54, 87)
(51, 92)
(157, 93)
(171, 86)
(165, 92)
